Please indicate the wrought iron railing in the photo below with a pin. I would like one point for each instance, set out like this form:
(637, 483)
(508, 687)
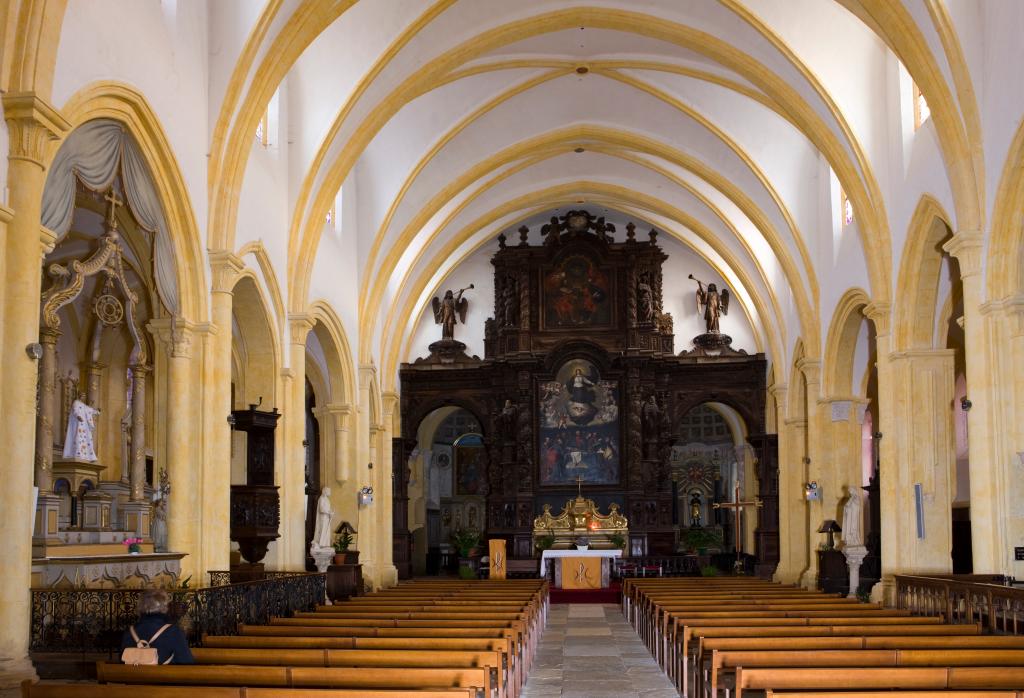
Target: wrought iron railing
(998, 607)
(93, 620)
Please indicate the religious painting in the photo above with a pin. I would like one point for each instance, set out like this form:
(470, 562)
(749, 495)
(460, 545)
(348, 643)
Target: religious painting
(470, 466)
(579, 427)
(577, 293)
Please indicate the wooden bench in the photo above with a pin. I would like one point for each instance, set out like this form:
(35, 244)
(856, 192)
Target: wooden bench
(478, 678)
(933, 678)
(723, 662)
(40, 690)
(894, 694)
(449, 659)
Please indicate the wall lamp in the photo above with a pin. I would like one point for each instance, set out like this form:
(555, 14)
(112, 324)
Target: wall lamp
(365, 496)
(811, 491)
(965, 404)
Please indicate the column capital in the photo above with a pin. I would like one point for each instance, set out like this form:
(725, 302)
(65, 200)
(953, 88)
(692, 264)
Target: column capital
(299, 327)
(33, 122)
(339, 409)
(175, 335)
(880, 313)
(811, 368)
(966, 246)
(389, 400)
(225, 267)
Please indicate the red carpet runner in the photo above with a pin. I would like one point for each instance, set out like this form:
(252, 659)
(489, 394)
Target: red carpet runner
(608, 595)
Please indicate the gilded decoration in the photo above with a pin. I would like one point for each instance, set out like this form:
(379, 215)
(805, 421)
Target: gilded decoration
(581, 517)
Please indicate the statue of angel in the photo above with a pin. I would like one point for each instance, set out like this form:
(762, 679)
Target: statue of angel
(446, 310)
(713, 302)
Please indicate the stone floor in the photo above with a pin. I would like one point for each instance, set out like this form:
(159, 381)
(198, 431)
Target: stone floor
(590, 651)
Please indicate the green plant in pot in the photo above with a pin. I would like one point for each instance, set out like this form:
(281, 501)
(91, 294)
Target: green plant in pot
(342, 544)
(545, 542)
(700, 539)
(466, 541)
(618, 541)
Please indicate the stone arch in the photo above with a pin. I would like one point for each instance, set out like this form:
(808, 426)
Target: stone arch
(259, 353)
(125, 104)
(918, 280)
(841, 343)
(1005, 262)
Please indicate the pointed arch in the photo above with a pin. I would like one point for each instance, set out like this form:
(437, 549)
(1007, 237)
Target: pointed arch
(841, 344)
(125, 104)
(918, 280)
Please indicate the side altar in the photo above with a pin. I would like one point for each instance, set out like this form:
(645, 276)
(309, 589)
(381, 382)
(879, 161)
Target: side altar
(101, 485)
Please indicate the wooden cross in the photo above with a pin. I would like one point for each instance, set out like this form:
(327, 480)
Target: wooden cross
(579, 486)
(737, 506)
(114, 200)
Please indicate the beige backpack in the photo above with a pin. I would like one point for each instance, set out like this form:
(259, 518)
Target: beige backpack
(143, 653)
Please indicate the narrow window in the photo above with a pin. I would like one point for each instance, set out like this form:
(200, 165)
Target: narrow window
(263, 130)
(846, 207)
(921, 108)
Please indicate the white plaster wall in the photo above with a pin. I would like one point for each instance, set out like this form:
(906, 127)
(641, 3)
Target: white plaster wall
(163, 54)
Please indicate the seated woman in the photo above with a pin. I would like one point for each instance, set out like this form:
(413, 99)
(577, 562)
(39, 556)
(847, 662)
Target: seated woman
(158, 630)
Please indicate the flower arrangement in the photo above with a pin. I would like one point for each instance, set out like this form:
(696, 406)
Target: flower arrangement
(133, 545)
(582, 543)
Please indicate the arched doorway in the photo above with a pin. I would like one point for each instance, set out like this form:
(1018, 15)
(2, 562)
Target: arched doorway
(447, 487)
(709, 458)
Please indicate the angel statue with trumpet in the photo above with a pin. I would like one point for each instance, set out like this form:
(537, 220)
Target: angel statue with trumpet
(713, 302)
(445, 311)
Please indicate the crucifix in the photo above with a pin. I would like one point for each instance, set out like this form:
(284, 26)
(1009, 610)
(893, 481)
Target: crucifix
(737, 506)
(579, 486)
(114, 200)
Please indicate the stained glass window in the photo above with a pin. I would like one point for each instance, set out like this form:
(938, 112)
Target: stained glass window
(846, 207)
(263, 131)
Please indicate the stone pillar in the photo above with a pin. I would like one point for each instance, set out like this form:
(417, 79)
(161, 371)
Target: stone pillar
(389, 573)
(44, 420)
(340, 416)
(216, 471)
(31, 123)
(293, 480)
(137, 472)
(989, 543)
(93, 380)
(183, 457)
(362, 477)
(816, 460)
(888, 471)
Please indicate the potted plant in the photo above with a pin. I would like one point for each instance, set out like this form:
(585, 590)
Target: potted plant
(618, 541)
(545, 542)
(342, 543)
(700, 539)
(465, 541)
(134, 547)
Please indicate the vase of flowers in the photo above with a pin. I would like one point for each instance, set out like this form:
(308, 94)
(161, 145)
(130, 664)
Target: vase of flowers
(134, 547)
(582, 543)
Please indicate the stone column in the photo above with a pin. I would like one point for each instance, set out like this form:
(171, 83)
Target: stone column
(44, 420)
(216, 472)
(31, 123)
(816, 460)
(794, 536)
(293, 481)
(138, 464)
(93, 380)
(989, 543)
(389, 573)
(341, 415)
(182, 455)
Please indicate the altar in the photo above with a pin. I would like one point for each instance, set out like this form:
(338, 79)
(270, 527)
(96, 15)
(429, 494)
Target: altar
(580, 569)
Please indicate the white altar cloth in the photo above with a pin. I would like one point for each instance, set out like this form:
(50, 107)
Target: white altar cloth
(549, 554)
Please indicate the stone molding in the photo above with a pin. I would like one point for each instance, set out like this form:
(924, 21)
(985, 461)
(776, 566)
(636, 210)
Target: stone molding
(33, 123)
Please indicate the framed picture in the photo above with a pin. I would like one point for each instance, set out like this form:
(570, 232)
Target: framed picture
(470, 467)
(577, 293)
(579, 426)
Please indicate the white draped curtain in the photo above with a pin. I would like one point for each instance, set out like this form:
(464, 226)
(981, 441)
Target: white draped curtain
(95, 153)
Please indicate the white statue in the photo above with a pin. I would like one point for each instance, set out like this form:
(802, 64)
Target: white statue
(322, 532)
(80, 442)
(853, 533)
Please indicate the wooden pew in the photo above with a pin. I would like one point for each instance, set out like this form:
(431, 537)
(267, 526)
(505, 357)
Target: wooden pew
(449, 659)
(503, 645)
(700, 631)
(723, 662)
(895, 694)
(40, 690)
(932, 678)
(707, 645)
(298, 677)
